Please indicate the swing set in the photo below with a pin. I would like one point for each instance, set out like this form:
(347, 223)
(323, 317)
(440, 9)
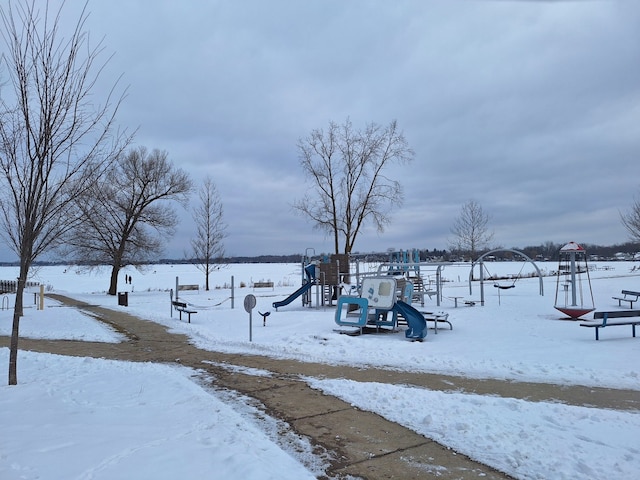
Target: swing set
(497, 285)
(507, 286)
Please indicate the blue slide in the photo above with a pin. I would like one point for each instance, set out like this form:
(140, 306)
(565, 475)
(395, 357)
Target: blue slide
(310, 270)
(293, 296)
(417, 324)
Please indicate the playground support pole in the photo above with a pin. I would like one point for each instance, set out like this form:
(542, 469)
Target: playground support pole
(438, 290)
(572, 259)
(318, 285)
(232, 292)
(481, 282)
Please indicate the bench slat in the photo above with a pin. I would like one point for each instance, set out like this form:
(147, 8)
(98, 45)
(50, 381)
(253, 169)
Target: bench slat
(629, 292)
(617, 314)
(610, 323)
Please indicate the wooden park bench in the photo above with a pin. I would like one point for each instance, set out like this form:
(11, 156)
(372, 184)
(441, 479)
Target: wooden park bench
(188, 287)
(263, 285)
(183, 307)
(628, 296)
(624, 317)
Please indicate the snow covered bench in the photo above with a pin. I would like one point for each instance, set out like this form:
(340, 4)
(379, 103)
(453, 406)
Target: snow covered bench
(183, 307)
(628, 296)
(437, 317)
(626, 318)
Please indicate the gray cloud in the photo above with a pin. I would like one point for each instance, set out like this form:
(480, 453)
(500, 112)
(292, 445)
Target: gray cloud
(530, 108)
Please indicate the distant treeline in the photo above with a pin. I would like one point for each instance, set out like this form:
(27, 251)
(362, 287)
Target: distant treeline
(547, 252)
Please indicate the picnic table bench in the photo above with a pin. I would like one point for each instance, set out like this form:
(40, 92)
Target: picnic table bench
(628, 296)
(437, 317)
(183, 307)
(624, 317)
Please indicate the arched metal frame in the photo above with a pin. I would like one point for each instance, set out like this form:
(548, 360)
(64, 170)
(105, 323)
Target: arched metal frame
(481, 263)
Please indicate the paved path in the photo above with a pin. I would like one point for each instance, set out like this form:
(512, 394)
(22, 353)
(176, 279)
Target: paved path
(362, 444)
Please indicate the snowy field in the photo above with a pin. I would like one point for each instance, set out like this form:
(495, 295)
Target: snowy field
(115, 419)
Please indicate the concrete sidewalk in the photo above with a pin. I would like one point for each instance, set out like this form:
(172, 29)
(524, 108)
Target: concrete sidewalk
(361, 444)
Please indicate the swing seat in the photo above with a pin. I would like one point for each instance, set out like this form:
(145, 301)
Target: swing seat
(503, 287)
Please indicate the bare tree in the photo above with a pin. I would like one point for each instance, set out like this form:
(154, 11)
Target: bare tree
(53, 140)
(631, 221)
(348, 171)
(207, 246)
(127, 214)
(471, 230)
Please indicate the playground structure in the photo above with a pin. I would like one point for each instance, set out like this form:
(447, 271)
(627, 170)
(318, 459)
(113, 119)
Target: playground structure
(322, 277)
(325, 277)
(331, 274)
(379, 297)
(481, 263)
(425, 284)
(570, 300)
(406, 265)
(425, 276)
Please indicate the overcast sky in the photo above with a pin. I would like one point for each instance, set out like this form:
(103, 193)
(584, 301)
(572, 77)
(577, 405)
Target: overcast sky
(531, 108)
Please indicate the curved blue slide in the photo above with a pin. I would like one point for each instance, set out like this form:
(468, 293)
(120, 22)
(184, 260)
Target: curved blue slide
(417, 324)
(310, 271)
(293, 296)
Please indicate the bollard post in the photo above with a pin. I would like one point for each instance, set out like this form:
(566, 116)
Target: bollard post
(233, 297)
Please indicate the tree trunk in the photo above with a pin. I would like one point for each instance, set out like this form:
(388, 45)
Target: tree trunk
(113, 284)
(13, 354)
(17, 313)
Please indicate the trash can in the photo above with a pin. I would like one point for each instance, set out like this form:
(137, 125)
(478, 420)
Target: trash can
(123, 299)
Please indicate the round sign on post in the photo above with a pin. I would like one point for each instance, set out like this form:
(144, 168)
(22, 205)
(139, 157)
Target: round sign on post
(249, 303)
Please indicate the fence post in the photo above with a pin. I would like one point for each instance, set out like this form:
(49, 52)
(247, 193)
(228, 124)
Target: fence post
(41, 307)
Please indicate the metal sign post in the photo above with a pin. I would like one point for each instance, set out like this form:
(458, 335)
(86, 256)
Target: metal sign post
(249, 305)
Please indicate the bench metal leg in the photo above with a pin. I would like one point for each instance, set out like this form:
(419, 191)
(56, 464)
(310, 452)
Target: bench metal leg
(633, 328)
(597, 329)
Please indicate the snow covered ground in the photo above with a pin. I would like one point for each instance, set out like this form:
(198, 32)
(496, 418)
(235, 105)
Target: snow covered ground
(115, 418)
